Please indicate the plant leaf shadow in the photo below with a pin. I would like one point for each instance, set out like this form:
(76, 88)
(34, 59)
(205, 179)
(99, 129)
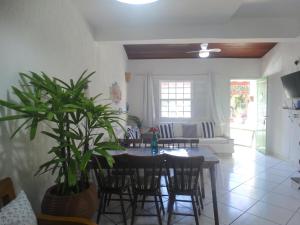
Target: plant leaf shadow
(20, 158)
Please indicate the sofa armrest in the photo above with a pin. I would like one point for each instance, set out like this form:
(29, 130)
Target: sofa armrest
(60, 220)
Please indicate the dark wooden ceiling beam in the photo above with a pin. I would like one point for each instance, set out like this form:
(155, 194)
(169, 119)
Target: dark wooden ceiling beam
(176, 51)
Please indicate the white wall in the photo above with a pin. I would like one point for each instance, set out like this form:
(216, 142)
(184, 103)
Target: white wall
(283, 132)
(111, 65)
(49, 36)
(223, 69)
(37, 35)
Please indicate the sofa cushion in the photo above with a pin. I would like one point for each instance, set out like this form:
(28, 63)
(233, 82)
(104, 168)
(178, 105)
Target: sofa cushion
(208, 129)
(189, 130)
(166, 130)
(177, 128)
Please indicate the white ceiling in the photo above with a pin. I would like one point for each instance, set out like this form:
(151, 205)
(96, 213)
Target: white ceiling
(269, 8)
(110, 20)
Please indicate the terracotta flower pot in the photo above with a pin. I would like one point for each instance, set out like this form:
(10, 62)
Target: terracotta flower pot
(83, 204)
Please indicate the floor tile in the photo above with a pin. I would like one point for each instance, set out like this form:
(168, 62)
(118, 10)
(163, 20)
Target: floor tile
(295, 220)
(261, 184)
(282, 201)
(286, 166)
(269, 212)
(237, 201)
(280, 172)
(249, 219)
(272, 177)
(145, 220)
(227, 214)
(231, 185)
(235, 177)
(250, 191)
(203, 220)
(288, 189)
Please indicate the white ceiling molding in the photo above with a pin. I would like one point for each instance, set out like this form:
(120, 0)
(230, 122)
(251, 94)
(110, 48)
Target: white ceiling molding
(236, 29)
(192, 19)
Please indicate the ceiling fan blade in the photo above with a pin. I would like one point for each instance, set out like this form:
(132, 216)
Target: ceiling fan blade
(214, 50)
(193, 51)
(211, 50)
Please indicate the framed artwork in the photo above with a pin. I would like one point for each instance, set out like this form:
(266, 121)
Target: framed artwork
(115, 93)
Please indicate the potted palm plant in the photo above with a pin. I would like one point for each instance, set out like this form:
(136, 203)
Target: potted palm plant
(79, 127)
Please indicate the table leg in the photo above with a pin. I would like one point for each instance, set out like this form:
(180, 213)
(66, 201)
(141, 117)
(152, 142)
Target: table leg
(214, 193)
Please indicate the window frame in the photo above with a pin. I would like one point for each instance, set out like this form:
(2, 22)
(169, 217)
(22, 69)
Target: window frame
(190, 99)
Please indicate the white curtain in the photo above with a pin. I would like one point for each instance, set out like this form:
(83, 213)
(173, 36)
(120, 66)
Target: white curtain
(149, 114)
(215, 107)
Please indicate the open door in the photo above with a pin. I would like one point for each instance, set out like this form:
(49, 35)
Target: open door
(261, 127)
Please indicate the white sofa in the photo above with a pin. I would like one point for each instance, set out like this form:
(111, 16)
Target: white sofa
(220, 144)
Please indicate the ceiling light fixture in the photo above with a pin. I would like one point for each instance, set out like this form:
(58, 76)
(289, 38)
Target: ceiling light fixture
(137, 2)
(203, 54)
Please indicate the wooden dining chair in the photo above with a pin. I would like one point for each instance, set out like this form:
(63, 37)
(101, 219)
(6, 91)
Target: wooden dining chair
(183, 175)
(112, 181)
(184, 143)
(145, 181)
(7, 194)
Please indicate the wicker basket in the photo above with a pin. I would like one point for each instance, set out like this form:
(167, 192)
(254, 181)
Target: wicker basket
(83, 204)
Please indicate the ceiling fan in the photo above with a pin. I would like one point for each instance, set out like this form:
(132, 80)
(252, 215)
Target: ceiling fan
(204, 52)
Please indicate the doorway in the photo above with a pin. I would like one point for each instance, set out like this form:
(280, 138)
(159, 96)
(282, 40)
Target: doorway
(248, 113)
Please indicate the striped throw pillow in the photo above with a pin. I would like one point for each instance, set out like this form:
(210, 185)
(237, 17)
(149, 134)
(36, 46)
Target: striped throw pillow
(133, 133)
(166, 130)
(208, 129)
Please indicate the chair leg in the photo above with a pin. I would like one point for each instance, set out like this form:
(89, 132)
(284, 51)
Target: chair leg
(171, 208)
(143, 201)
(162, 204)
(129, 194)
(200, 198)
(123, 209)
(167, 183)
(101, 205)
(202, 184)
(197, 199)
(157, 210)
(105, 200)
(133, 209)
(195, 210)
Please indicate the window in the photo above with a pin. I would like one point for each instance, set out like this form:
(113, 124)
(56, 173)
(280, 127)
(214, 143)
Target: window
(175, 99)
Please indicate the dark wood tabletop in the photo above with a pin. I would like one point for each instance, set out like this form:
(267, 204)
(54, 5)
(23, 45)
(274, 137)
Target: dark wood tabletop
(210, 158)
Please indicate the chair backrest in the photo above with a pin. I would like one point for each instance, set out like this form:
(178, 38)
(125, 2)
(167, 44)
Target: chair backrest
(111, 177)
(183, 172)
(146, 172)
(7, 191)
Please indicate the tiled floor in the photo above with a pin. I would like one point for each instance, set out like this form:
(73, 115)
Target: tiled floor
(256, 190)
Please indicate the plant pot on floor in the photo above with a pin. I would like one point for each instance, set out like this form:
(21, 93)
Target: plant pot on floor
(83, 204)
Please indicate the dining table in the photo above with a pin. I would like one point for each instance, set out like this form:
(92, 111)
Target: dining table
(210, 162)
